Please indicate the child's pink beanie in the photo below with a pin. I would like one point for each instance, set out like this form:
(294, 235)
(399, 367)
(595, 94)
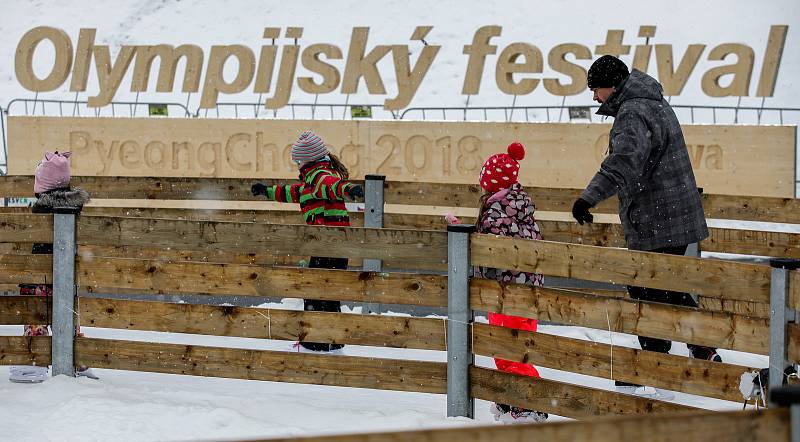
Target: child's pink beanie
(52, 172)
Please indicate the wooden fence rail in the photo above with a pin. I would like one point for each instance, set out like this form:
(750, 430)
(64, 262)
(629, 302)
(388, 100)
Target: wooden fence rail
(707, 277)
(25, 350)
(336, 328)
(21, 310)
(782, 210)
(418, 249)
(770, 425)
(26, 269)
(675, 373)
(277, 366)
(158, 276)
(560, 398)
(683, 324)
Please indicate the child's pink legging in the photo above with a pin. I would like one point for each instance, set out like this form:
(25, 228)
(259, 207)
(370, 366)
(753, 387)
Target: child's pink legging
(518, 323)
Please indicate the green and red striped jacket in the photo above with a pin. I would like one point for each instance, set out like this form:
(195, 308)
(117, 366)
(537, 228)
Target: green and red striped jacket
(321, 195)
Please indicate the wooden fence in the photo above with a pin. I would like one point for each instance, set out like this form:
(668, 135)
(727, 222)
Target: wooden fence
(144, 255)
(751, 426)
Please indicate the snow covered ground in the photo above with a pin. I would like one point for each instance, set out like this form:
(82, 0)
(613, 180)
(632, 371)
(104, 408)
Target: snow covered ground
(133, 406)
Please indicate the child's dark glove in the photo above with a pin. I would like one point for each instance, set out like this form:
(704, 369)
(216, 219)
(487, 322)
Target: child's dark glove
(355, 192)
(580, 211)
(258, 189)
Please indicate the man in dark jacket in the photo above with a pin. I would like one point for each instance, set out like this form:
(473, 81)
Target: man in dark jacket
(648, 168)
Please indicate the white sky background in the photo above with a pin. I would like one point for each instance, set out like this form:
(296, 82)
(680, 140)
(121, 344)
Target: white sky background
(543, 23)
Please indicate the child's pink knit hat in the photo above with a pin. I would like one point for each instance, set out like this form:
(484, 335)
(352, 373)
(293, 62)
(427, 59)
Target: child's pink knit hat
(501, 170)
(52, 172)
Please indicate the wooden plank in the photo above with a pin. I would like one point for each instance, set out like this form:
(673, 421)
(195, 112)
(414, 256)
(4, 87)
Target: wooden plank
(336, 328)
(753, 242)
(754, 309)
(251, 280)
(26, 269)
(794, 285)
(277, 366)
(683, 324)
(707, 277)
(16, 248)
(794, 342)
(747, 208)
(162, 188)
(25, 350)
(423, 249)
(747, 242)
(776, 210)
(26, 227)
(217, 256)
(676, 373)
(767, 425)
(21, 310)
(560, 398)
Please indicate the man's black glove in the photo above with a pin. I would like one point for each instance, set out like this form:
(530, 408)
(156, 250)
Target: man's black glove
(258, 189)
(355, 191)
(580, 211)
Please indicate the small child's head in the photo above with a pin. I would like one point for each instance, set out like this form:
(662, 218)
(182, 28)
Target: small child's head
(52, 172)
(309, 148)
(501, 170)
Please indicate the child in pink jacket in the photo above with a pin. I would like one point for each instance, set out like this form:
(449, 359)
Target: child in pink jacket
(507, 210)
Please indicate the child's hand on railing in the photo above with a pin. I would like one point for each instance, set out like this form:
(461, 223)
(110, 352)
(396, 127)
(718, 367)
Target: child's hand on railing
(258, 189)
(451, 219)
(355, 192)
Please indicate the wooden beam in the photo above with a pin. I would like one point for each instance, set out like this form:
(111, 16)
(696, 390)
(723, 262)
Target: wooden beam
(767, 425)
(337, 328)
(162, 188)
(794, 285)
(276, 366)
(754, 309)
(217, 256)
(559, 398)
(752, 242)
(747, 242)
(794, 342)
(26, 269)
(25, 350)
(707, 277)
(684, 324)
(252, 280)
(21, 310)
(752, 208)
(26, 227)
(745, 208)
(422, 249)
(676, 373)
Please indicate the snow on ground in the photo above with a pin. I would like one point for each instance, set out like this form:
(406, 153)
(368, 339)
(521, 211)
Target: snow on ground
(125, 405)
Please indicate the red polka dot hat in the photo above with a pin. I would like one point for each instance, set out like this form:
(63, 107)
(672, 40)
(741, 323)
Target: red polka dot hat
(501, 170)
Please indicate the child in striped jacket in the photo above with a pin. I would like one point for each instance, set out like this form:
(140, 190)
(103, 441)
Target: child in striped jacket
(321, 194)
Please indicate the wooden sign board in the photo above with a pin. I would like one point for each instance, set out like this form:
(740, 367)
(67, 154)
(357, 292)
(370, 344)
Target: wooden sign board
(732, 160)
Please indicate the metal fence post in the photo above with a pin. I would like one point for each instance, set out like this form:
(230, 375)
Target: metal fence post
(64, 248)
(459, 317)
(373, 217)
(780, 316)
(789, 397)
